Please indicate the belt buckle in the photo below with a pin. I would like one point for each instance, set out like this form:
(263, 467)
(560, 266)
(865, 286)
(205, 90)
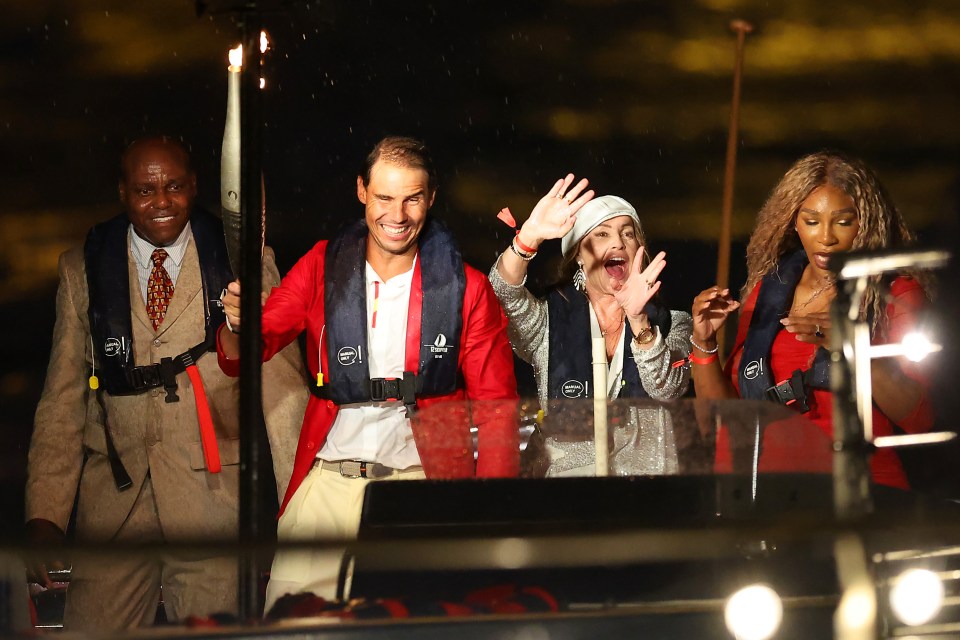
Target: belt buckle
(361, 468)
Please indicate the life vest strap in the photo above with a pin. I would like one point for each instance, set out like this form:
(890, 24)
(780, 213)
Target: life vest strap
(383, 389)
(792, 392)
(164, 373)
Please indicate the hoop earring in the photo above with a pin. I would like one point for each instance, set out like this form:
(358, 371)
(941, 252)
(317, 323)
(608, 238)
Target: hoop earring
(579, 278)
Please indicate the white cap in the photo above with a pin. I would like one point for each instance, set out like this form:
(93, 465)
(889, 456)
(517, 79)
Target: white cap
(593, 213)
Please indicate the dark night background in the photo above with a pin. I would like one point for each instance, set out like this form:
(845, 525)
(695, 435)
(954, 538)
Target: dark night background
(634, 95)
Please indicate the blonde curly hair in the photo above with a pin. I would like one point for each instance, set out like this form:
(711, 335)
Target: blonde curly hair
(881, 225)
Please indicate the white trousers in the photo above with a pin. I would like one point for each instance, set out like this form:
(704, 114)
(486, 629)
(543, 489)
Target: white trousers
(325, 507)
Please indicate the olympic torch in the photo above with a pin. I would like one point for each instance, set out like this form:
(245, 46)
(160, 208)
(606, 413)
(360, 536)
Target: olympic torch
(230, 161)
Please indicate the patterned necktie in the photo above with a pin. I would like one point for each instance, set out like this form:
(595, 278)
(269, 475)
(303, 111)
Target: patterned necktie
(159, 289)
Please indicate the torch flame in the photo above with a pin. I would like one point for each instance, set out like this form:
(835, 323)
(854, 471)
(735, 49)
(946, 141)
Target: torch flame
(236, 58)
(236, 55)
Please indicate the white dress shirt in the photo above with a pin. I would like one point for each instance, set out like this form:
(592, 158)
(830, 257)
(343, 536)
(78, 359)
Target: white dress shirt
(141, 250)
(379, 432)
(615, 368)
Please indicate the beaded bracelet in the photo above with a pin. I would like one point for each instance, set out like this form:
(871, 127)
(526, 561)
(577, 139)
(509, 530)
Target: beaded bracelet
(707, 351)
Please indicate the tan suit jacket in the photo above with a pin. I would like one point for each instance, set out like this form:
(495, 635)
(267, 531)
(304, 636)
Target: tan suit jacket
(150, 434)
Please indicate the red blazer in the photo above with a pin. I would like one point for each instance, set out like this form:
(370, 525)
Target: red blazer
(444, 445)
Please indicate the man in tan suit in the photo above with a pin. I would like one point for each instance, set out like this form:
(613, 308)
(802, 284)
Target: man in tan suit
(119, 418)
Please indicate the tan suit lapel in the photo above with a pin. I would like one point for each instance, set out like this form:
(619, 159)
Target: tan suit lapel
(137, 305)
(186, 288)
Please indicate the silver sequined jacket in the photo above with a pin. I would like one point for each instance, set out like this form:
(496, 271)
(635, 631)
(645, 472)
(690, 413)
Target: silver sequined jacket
(645, 444)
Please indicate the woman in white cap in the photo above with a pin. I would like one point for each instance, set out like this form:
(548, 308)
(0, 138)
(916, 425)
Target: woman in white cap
(607, 289)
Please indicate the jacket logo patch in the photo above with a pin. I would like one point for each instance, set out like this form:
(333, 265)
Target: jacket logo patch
(349, 355)
(573, 389)
(440, 348)
(112, 347)
(753, 369)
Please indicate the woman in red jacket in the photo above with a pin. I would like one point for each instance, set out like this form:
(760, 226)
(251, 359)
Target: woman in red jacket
(825, 203)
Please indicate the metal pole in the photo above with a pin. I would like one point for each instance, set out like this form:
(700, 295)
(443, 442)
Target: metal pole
(252, 430)
(741, 28)
(851, 465)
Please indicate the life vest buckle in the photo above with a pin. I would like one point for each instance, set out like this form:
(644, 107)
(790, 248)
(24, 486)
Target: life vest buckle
(404, 389)
(791, 392)
(382, 389)
(168, 376)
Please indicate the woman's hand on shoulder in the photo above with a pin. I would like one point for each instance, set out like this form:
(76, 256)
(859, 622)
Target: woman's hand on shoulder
(556, 212)
(710, 310)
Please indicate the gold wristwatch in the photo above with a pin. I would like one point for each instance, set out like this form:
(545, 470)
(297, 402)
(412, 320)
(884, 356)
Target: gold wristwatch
(646, 336)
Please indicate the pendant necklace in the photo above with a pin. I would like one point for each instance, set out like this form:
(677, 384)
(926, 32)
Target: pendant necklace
(604, 332)
(815, 295)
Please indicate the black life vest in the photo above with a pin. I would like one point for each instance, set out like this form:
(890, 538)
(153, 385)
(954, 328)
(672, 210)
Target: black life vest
(105, 255)
(443, 283)
(773, 303)
(570, 369)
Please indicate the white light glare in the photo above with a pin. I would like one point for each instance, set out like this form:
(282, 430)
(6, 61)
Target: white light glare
(753, 613)
(916, 596)
(917, 346)
(236, 57)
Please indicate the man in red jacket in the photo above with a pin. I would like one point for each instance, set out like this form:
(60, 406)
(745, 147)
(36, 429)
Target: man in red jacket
(395, 322)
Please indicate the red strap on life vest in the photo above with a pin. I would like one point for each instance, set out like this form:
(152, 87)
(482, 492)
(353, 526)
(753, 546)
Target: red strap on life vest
(411, 356)
(208, 438)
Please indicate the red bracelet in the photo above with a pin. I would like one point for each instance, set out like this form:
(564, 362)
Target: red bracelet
(522, 246)
(695, 360)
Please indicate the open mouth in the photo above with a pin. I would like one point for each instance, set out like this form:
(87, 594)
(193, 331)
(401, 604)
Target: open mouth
(822, 260)
(616, 267)
(163, 219)
(394, 231)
